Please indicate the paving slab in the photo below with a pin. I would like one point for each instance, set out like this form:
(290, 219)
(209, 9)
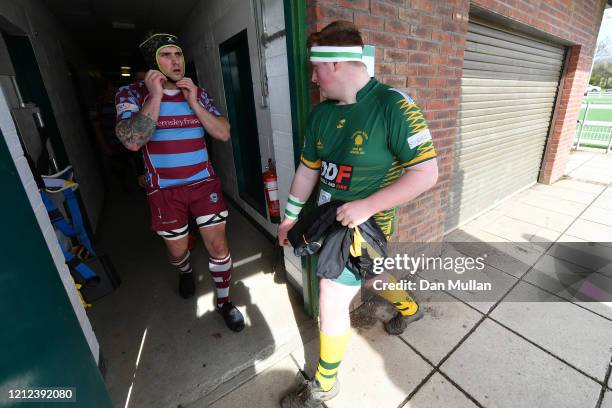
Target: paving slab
(589, 255)
(438, 392)
(520, 231)
(604, 202)
(597, 162)
(573, 283)
(607, 400)
(579, 186)
(556, 204)
(578, 158)
(500, 369)
(575, 335)
(598, 214)
(511, 257)
(472, 233)
(570, 238)
(445, 323)
(592, 166)
(263, 391)
(539, 216)
(486, 218)
(378, 370)
(601, 159)
(501, 283)
(565, 193)
(591, 231)
(598, 174)
(461, 235)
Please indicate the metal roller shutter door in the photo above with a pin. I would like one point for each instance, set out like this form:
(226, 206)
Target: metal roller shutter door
(508, 88)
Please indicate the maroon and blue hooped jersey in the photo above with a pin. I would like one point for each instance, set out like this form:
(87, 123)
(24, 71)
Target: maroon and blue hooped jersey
(176, 153)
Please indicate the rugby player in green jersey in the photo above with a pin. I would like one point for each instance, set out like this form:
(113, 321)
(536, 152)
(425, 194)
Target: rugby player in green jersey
(367, 144)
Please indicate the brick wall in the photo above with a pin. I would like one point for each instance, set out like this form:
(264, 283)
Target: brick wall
(419, 48)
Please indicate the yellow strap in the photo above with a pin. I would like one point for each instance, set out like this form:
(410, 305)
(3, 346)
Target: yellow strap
(85, 304)
(357, 242)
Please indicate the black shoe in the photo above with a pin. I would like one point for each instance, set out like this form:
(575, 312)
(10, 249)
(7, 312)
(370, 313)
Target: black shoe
(232, 316)
(186, 285)
(398, 324)
(309, 395)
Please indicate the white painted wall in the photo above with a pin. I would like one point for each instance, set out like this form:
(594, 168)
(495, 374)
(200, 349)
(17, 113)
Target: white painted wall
(52, 47)
(280, 114)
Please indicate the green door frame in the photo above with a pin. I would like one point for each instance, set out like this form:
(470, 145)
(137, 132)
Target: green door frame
(299, 90)
(43, 344)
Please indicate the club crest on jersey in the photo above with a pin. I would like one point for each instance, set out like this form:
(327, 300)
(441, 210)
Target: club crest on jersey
(359, 140)
(214, 198)
(319, 145)
(340, 124)
(336, 175)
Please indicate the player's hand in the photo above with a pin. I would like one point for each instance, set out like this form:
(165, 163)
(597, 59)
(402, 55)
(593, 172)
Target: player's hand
(283, 229)
(154, 81)
(354, 213)
(189, 89)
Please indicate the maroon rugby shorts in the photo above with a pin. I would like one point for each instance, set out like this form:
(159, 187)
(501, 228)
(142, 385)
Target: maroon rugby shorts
(170, 207)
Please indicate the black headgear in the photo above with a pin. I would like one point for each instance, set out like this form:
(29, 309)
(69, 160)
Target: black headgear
(151, 46)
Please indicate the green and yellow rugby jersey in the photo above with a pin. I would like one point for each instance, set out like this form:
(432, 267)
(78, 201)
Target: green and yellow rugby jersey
(363, 147)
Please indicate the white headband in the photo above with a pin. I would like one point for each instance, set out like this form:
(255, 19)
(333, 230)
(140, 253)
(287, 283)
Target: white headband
(326, 53)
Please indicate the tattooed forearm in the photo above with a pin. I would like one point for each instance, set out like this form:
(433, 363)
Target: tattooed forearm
(136, 131)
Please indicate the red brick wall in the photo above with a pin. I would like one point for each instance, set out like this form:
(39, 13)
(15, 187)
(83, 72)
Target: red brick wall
(419, 48)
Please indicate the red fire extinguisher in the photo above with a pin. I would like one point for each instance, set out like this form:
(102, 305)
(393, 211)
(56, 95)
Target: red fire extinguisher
(271, 187)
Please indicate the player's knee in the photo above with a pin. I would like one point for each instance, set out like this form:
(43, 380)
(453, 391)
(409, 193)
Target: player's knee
(325, 287)
(218, 247)
(329, 301)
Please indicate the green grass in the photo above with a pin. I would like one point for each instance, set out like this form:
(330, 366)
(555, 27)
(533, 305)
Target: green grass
(606, 97)
(598, 114)
(596, 136)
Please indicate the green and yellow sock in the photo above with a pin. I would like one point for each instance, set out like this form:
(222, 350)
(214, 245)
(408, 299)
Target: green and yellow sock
(332, 351)
(399, 298)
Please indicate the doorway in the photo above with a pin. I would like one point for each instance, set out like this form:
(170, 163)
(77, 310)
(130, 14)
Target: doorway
(33, 90)
(238, 85)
